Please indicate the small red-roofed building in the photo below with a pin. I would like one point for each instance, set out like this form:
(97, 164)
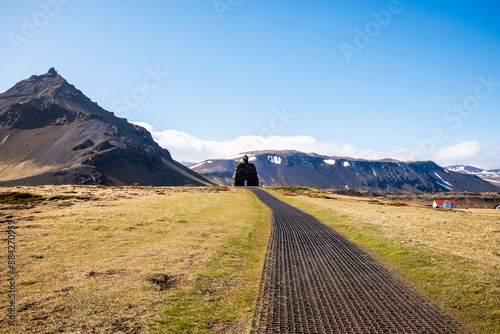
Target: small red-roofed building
(445, 204)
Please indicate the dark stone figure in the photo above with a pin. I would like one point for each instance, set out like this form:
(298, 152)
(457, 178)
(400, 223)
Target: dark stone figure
(245, 171)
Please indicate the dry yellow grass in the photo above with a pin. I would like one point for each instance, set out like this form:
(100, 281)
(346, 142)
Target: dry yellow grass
(13, 171)
(451, 255)
(115, 260)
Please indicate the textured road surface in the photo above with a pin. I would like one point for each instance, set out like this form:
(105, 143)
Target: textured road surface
(315, 281)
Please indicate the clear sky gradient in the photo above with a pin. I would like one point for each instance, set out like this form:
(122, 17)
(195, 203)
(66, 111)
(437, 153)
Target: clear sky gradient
(374, 79)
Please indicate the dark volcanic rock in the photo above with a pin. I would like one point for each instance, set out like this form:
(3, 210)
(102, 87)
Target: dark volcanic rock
(27, 116)
(51, 133)
(86, 144)
(245, 172)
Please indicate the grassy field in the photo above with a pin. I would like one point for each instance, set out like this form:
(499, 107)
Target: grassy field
(133, 259)
(189, 260)
(452, 256)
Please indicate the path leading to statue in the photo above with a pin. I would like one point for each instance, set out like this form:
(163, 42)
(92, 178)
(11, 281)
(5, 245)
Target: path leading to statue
(315, 281)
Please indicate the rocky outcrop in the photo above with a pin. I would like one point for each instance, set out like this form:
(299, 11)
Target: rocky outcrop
(26, 116)
(245, 174)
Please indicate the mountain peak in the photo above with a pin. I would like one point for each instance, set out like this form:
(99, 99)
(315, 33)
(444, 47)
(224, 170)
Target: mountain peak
(37, 86)
(48, 89)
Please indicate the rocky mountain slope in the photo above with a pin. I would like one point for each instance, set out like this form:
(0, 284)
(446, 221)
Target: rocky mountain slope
(51, 133)
(492, 175)
(292, 168)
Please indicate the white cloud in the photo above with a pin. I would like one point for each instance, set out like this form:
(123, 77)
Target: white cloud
(463, 150)
(485, 161)
(470, 153)
(185, 147)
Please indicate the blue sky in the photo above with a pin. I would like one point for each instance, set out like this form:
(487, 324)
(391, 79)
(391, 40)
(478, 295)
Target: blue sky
(373, 79)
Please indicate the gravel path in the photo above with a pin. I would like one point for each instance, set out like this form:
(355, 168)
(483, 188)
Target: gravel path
(315, 281)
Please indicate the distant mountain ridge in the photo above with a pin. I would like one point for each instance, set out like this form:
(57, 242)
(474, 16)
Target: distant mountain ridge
(492, 175)
(51, 133)
(293, 168)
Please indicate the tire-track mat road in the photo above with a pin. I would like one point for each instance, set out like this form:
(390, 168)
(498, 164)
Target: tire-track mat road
(315, 281)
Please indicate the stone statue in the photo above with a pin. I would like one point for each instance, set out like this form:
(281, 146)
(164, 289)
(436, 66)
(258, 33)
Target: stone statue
(245, 171)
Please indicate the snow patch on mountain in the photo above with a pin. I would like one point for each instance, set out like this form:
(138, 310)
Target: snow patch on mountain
(275, 159)
(198, 165)
(443, 185)
(442, 179)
